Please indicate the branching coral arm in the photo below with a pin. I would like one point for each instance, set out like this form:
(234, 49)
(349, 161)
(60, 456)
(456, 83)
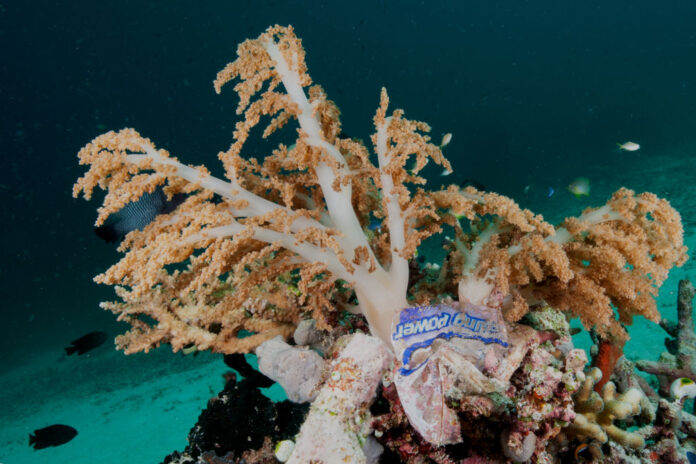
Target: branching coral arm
(399, 265)
(590, 218)
(338, 200)
(255, 205)
(308, 252)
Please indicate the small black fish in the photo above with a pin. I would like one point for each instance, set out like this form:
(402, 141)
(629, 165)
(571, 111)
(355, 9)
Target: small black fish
(137, 215)
(238, 362)
(86, 343)
(53, 435)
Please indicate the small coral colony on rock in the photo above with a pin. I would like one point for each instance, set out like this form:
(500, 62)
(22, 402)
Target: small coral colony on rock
(468, 360)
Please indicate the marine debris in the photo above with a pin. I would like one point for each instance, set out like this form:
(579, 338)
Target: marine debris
(465, 361)
(509, 408)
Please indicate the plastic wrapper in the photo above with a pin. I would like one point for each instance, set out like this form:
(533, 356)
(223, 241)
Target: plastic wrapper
(433, 344)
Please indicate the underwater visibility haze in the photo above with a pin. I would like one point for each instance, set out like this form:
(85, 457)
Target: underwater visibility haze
(370, 232)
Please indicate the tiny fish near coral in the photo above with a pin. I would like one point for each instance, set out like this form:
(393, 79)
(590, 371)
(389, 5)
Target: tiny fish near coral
(53, 435)
(86, 343)
(628, 146)
(683, 388)
(580, 187)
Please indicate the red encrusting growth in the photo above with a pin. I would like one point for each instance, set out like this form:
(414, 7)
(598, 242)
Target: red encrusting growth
(608, 354)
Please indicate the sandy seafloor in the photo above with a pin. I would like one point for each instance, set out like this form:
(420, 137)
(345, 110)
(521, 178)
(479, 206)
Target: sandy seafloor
(127, 409)
(137, 409)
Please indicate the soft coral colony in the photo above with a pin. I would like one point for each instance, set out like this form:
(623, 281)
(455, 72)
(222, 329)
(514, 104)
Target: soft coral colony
(286, 239)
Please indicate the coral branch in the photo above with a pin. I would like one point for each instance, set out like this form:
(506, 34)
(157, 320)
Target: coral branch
(680, 361)
(617, 255)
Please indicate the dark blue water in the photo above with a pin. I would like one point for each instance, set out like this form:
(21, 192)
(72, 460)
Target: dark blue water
(535, 94)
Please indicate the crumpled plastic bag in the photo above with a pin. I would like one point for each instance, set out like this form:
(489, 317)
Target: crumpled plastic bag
(433, 344)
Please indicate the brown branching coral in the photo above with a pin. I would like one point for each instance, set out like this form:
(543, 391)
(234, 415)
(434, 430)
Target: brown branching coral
(287, 237)
(616, 256)
(278, 240)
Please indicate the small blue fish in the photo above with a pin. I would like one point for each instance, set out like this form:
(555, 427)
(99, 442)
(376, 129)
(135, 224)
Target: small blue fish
(375, 225)
(550, 192)
(691, 457)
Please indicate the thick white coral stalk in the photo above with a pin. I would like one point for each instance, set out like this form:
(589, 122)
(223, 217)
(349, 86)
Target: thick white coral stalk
(380, 292)
(337, 425)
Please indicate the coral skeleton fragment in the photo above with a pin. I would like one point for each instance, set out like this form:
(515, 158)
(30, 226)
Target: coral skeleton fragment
(289, 239)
